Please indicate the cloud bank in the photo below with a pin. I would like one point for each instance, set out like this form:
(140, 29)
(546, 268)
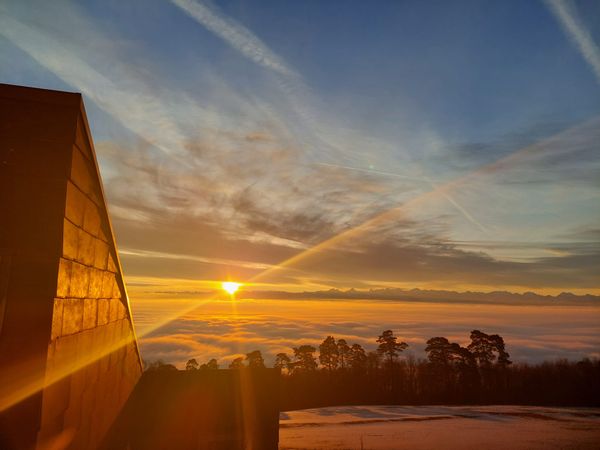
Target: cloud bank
(218, 331)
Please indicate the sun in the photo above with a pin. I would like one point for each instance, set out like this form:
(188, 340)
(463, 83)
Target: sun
(230, 287)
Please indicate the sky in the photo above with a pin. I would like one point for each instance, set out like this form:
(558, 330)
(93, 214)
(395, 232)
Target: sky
(312, 145)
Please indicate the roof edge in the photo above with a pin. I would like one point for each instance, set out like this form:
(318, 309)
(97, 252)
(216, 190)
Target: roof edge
(35, 94)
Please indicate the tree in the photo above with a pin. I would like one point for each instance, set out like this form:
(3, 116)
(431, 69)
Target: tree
(461, 356)
(328, 353)
(255, 360)
(503, 357)
(439, 354)
(439, 351)
(482, 348)
(237, 363)
(450, 366)
(282, 361)
(192, 364)
(488, 349)
(357, 358)
(212, 364)
(389, 348)
(160, 366)
(373, 361)
(305, 358)
(465, 364)
(343, 350)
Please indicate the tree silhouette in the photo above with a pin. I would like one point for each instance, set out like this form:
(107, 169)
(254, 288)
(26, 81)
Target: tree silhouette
(439, 351)
(462, 357)
(161, 366)
(450, 364)
(482, 348)
(282, 361)
(389, 348)
(255, 360)
(343, 350)
(451, 374)
(373, 361)
(468, 378)
(328, 353)
(305, 358)
(357, 358)
(212, 364)
(192, 364)
(237, 363)
(503, 356)
(481, 373)
(488, 349)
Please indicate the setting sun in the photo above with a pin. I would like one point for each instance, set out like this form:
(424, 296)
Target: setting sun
(230, 287)
(411, 212)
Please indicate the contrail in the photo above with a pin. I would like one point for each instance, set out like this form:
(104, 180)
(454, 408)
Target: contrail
(252, 47)
(574, 28)
(235, 34)
(463, 211)
(373, 171)
(137, 110)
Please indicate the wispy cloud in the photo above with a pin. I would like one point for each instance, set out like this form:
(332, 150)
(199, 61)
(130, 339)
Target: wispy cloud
(235, 34)
(160, 113)
(322, 139)
(566, 14)
(253, 48)
(123, 95)
(217, 261)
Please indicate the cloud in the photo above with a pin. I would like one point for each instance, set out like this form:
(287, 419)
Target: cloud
(590, 235)
(231, 219)
(567, 16)
(180, 347)
(299, 225)
(224, 179)
(235, 34)
(568, 156)
(123, 78)
(273, 326)
(183, 257)
(444, 264)
(419, 295)
(253, 188)
(121, 91)
(322, 137)
(542, 152)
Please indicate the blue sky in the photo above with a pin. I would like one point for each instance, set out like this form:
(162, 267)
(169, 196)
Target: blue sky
(449, 144)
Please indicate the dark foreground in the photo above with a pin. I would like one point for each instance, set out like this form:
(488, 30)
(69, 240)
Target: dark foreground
(440, 427)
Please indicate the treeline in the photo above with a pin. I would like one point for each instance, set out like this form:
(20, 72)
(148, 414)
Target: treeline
(338, 373)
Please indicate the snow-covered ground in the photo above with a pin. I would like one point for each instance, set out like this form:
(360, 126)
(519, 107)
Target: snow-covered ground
(440, 427)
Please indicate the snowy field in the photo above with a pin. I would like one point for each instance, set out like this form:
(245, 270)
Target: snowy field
(440, 427)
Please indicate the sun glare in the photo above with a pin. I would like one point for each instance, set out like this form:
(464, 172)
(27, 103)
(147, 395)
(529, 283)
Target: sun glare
(230, 287)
